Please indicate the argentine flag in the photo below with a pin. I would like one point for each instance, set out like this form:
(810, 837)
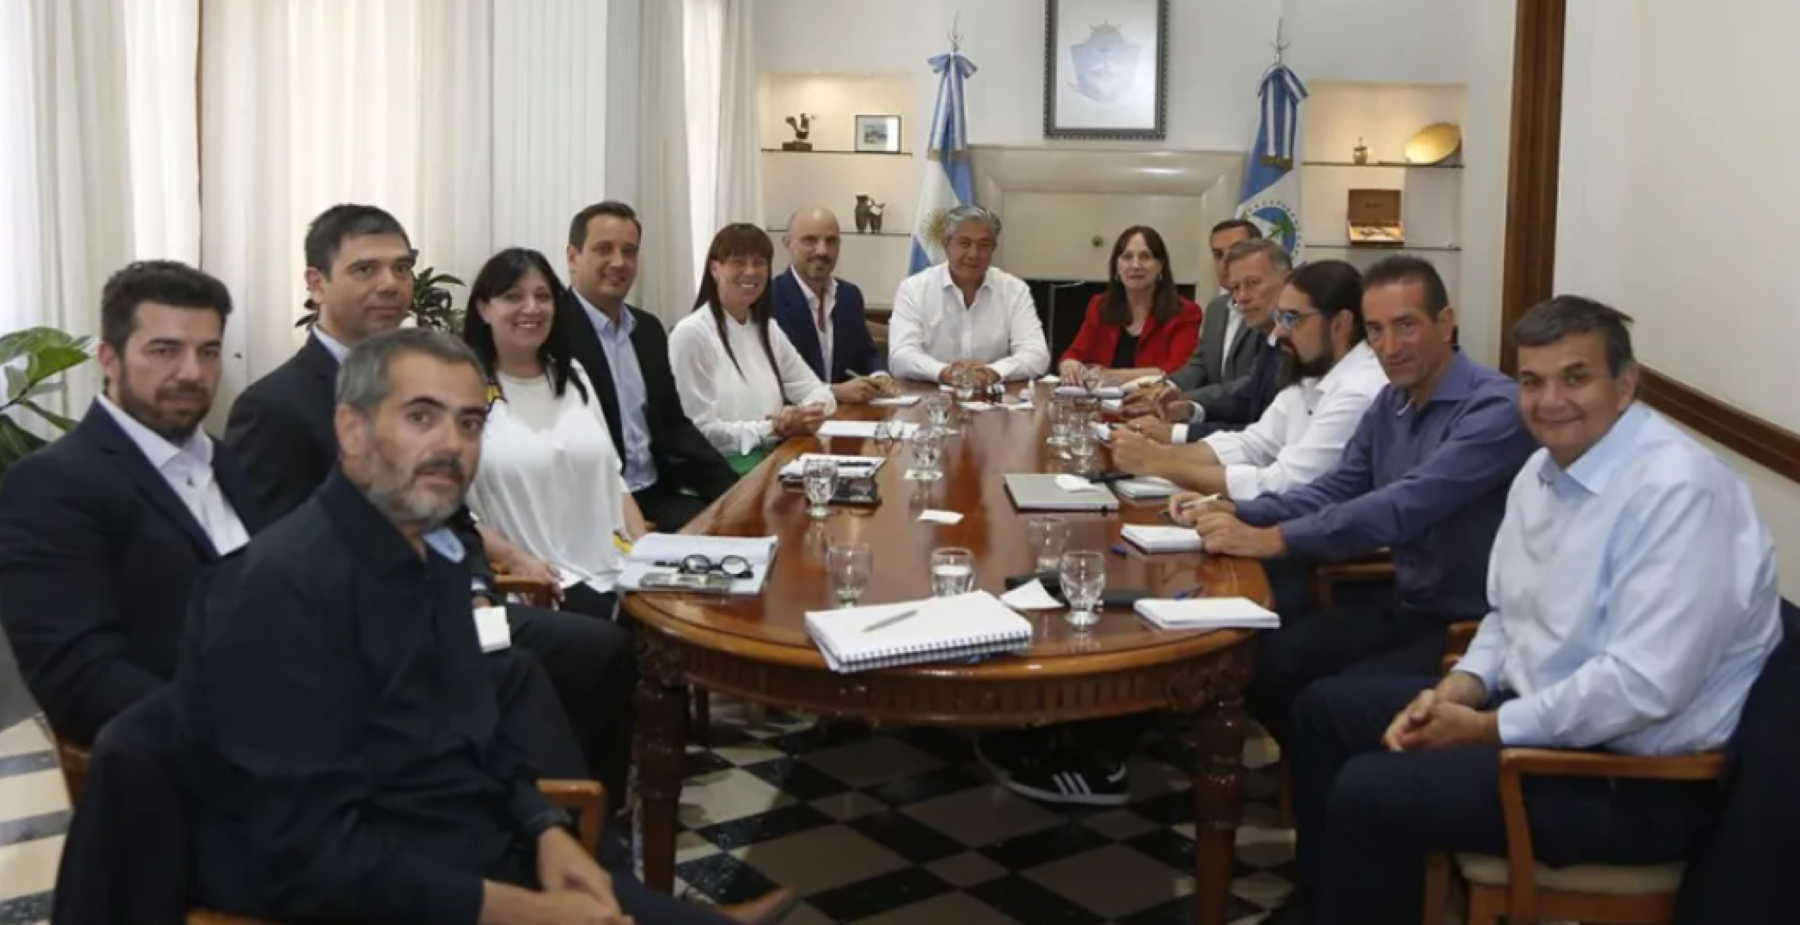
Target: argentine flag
(947, 181)
(1271, 196)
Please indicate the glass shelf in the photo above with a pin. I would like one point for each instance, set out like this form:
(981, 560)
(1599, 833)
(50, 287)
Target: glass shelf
(1382, 248)
(1382, 165)
(839, 151)
(849, 233)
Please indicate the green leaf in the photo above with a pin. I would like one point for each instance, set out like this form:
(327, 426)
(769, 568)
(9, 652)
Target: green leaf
(16, 383)
(51, 360)
(62, 423)
(34, 340)
(16, 443)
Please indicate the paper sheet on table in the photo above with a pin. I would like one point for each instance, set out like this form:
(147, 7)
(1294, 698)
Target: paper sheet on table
(492, 629)
(940, 517)
(977, 406)
(863, 429)
(1073, 483)
(896, 401)
(1030, 596)
(1050, 380)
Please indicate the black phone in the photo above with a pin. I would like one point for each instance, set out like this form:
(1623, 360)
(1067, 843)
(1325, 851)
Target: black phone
(857, 493)
(1118, 598)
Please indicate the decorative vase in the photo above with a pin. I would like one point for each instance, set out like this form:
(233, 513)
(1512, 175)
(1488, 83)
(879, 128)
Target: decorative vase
(875, 217)
(1360, 154)
(864, 208)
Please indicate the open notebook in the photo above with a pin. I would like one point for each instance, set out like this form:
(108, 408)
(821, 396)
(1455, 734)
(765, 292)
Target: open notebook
(939, 629)
(658, 556)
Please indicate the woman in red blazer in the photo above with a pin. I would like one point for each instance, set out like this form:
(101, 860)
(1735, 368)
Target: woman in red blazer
(1139, 326)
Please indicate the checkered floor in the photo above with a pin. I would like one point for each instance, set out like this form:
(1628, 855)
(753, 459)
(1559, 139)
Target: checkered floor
(905, 826)
(34, 814)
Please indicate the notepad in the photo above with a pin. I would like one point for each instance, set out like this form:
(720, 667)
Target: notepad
(1208, 613)
(863, 429)
(1163, 539)
(1032, 491)
(849, 467)
(660, 555)
(1075, 391)
(1145, 488)
(941, 629)
(896, 401)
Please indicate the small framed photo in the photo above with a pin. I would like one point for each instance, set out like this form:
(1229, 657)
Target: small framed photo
(1106, 69)
(879, 134)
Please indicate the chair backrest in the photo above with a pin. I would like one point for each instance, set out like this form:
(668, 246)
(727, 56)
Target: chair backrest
(127, 854)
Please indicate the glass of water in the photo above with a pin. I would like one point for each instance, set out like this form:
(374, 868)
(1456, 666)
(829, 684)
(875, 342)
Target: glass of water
(1092, 377)
(962, 382)
(849, 565)
(1083, 581)
(926, 445)
(1047, 536)
(821, 483)
(1059, 421)
(1082, 443)
(938, 408)
(952, 571)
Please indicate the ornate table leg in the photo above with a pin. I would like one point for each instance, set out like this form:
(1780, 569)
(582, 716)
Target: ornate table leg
(1218, 780)
(662, 701)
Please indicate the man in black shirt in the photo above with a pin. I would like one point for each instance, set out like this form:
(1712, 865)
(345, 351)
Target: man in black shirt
(348, 757)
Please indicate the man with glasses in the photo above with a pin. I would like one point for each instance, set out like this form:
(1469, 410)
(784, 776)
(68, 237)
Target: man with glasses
(1334, 376)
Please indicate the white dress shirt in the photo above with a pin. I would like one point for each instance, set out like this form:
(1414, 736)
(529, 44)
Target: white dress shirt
(732, 408)
(931, 327)
(188, 470)
(1633, 597)
(550, 478)
(1234, 322)
(821, 318)
(1303, 432)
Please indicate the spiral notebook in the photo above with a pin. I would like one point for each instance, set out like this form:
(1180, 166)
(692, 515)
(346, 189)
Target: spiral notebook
(933, 630)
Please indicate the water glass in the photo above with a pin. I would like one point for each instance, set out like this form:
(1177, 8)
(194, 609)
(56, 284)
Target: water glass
(1047, 535)
(962, 383)
(937, 412)
(1092, 377)
(952, 571)
(1081, 442)
(927, 448)
(1059, 421)
(849, 565)
(821, 483)
(1083, 581)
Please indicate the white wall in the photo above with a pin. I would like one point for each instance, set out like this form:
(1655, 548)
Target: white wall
(1678, 207)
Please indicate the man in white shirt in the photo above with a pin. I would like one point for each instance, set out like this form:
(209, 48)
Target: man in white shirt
(1318, 326)
(1633, 604)
(964, 315)
(103, 531)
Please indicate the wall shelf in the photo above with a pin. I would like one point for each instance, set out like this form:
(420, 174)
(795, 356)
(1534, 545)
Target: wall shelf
(1382, 165)
(1362, 248)
(839, 151)
(847, 234)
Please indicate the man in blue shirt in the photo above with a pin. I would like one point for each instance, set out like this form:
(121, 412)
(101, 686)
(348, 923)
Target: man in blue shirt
(1634, 604)
(1424, 475)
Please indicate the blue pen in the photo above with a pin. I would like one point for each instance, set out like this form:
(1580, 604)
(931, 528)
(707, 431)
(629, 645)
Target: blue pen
(1118, 549)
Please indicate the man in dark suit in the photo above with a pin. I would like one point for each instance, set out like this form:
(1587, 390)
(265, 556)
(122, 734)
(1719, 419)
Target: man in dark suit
(359, 273)
(103, 531)
(671, 469)
(824, 316)
(1226, 349)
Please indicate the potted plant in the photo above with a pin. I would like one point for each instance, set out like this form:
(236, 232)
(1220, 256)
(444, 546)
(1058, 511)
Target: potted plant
(46, 353)
(432, 306)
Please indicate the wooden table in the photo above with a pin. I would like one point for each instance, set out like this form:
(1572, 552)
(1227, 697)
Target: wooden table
(757, 648)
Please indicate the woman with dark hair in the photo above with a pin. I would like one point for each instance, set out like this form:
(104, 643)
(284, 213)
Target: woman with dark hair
(550, 479)
(741, 380)
(1140, 326)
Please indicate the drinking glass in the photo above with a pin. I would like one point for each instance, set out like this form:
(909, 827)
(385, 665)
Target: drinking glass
(849, 565)
(952, 571)
(1082, 444)
(1083, 581)
(1059, 421)
(927, 447)
(1048, 535)
(937, 412)
(821, 483)
(962, 382)
(1092, 377)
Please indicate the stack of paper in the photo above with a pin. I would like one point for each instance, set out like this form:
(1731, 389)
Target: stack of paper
(1163, 539)
(863, 429)
(931, 630)
(662, 553)
(1105, 391)
(1145, 488)
(1208, 613)
(896, 401)
(849, 467)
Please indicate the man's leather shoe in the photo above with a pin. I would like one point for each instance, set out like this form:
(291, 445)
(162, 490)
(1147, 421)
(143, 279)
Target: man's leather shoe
(1296, 909)
(768, 910)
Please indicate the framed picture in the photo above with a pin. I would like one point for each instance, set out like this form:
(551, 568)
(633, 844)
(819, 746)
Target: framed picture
(1106, 69)
(878, 133)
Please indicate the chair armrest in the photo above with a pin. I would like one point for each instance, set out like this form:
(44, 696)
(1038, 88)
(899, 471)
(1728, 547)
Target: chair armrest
(536, 593)
(586, 797)
(73, 759)
(1371, 569)
(204, 917)
(1457, 640)
(1516, 763)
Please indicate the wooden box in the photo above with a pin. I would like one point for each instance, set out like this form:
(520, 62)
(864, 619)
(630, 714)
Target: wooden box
(1374, 218)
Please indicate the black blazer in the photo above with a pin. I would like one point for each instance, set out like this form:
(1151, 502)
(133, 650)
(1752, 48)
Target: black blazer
(282, 427)
(97, 555)
(683, 457)
(1244, 403)
(852, 348)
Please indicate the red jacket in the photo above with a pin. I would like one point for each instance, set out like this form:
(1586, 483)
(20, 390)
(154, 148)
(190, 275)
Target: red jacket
(1163, 344)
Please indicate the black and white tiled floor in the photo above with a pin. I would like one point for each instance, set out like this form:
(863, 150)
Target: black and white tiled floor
(905, 826)
(34, 814)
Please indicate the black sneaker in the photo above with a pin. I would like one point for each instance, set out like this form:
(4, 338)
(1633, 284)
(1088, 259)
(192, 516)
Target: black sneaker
(1028, 766)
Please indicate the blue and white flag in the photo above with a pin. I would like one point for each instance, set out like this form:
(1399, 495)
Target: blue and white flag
(948, 180)
(1271, 196)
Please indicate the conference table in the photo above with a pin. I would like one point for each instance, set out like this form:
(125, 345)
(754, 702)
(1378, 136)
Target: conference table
(756, 648)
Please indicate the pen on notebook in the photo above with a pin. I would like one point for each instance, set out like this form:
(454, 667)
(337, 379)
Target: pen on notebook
(886, 622)
(1118, 549)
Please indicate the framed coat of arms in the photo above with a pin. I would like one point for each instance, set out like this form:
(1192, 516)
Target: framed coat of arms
(1106, 69)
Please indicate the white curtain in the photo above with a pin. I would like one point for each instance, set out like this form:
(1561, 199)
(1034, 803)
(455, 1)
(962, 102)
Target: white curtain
(723, 180)
(667, 269)
(98, 160)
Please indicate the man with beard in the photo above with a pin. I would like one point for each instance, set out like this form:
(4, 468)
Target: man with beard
(103, 531)
(1258, 270)
(359, 271)
(1334, 376)
(348, 763)
(823, 316)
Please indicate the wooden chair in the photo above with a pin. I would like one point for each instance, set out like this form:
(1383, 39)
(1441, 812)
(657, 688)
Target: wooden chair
(1522, 890)
(73, 759)
(536, 593)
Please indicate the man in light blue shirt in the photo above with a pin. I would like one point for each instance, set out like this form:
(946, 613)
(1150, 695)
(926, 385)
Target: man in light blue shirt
(1632, 604)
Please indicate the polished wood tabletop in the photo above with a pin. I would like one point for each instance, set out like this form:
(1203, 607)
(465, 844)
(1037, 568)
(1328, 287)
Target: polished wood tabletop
(993, 443)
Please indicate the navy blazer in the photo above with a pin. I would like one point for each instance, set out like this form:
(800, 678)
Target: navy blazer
(97, 555)
(1244, 403)
(852, 350)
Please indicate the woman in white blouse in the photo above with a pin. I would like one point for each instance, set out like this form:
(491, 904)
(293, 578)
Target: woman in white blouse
(550, 480)
(741, 380)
